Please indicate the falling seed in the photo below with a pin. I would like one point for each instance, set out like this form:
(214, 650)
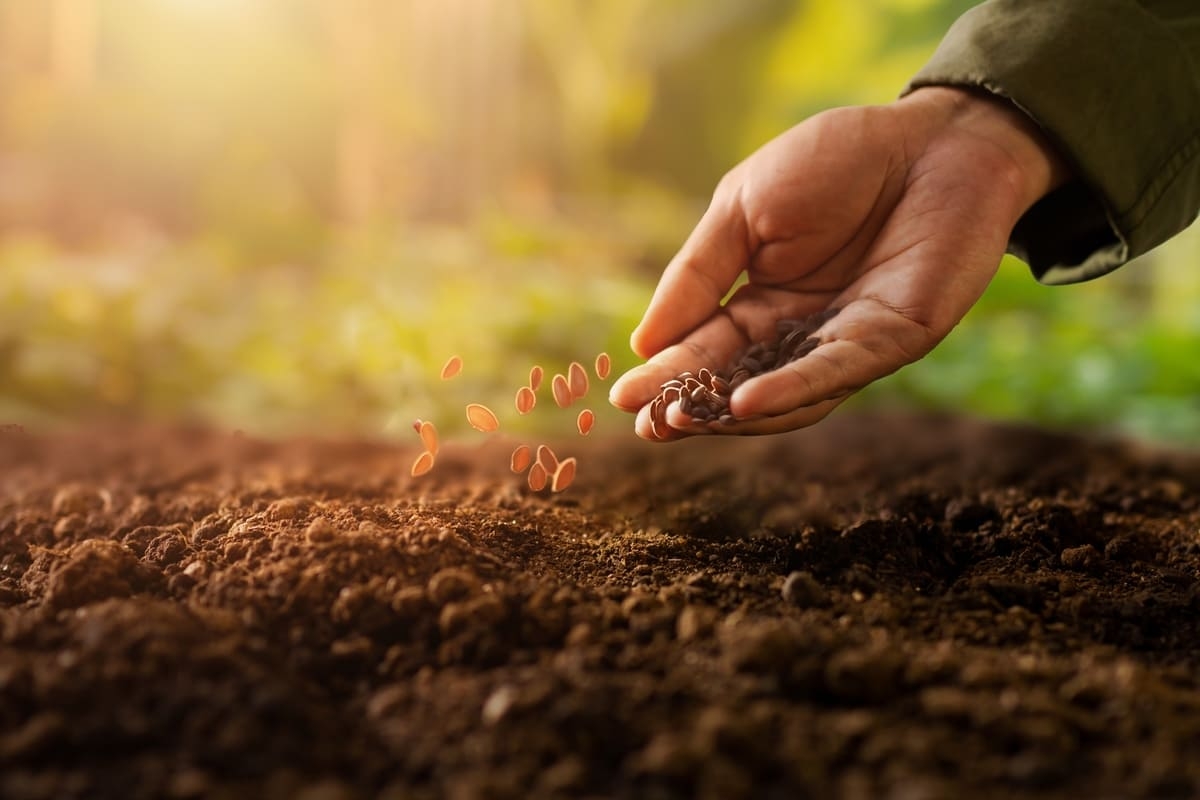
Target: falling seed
(526, 400)
(585, 421)
(482, 418)
(429, 437)
(423, 464)
(603, 366)
(535, 378)
(563, 475)
(546, 457)
(452, 368)
(521, 458)
(578, 380)
(562, 391)
(537, 477)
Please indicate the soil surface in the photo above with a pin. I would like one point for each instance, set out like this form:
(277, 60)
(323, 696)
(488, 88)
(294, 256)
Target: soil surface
(880, 607)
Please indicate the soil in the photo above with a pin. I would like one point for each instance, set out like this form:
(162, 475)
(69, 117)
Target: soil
(879, 607)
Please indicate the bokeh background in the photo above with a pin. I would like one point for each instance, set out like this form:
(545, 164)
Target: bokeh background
(283, 215)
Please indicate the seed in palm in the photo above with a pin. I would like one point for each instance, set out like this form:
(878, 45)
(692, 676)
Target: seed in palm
(577, 381)
(562, 391)
(585, 421)
(423, 464)
(451, 368)
(563, 476)
(537, 477)
(481, 418)
(603, 366)
(521, 458)
(429, 436)
(526, 400)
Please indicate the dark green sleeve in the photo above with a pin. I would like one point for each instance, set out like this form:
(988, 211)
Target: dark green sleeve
(1115, 84)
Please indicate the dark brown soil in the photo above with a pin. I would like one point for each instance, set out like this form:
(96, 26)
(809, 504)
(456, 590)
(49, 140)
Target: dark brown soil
(880, 607)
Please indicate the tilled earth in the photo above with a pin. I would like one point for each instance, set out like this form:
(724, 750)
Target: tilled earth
(879, 607)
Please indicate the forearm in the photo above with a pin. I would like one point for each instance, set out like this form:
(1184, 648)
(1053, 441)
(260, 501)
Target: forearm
(1114, 85)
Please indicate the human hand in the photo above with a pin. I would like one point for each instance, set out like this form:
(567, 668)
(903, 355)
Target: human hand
(897, 215)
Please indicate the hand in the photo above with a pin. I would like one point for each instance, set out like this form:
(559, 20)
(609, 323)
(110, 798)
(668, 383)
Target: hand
(897, 215)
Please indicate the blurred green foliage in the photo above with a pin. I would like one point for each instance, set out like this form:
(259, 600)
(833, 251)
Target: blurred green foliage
(284, 216)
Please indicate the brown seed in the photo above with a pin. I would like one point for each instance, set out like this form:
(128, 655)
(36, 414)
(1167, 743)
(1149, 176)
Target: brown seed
(578, 380)
(704, 376)
(423, 464)
(603, 366)
(727, 419)
(546, 457)
(656, 413)
(520, 458)
(674, 383)
(537, 477)
(585, 421)
(562, 391)
(563, 475)
(719, 385)
(526, 400)
(535, 378)
(670, 395)
(482, 418)
(429, 437)
(699, 394)
(685, 404)
(451, 368)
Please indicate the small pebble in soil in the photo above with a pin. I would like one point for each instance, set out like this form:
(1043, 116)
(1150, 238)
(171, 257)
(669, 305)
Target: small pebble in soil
(802, 590)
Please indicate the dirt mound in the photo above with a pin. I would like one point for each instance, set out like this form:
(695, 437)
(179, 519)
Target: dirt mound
(907, 607)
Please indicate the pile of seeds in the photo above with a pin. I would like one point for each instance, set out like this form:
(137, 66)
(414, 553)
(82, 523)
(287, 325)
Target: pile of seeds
(704, 395)
(546, 470)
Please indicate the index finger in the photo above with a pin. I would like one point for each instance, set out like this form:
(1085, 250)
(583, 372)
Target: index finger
(698, 277)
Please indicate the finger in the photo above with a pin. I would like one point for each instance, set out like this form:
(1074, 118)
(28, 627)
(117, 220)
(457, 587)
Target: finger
(782, 423)
(858, 346)
(712, 345)
(654, 431)
(698, 277)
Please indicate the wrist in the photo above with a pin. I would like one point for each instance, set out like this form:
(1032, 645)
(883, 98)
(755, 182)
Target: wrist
(1027, 160)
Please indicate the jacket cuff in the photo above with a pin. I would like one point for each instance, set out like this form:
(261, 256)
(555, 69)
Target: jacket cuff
(1115, 88)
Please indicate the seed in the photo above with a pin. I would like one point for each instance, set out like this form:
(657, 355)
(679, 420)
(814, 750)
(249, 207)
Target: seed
(423, 464)
(535, 378)
(451, 368)
(562, 391)
(674, 383)
(719, 385)
(685, 404)
(578, 380)
(698, 394)
(546, 457)
(526, 400)
(482, 418)
(727, 419)
(656, 413)
(603, 366)
(537, 477)
(520, 458)
(563, 475)
(585, 421)
(416, 426)
(704, 376)
(429, 437)
(751, 364)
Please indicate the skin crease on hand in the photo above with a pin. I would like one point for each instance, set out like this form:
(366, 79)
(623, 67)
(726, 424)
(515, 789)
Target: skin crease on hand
(897, 214)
